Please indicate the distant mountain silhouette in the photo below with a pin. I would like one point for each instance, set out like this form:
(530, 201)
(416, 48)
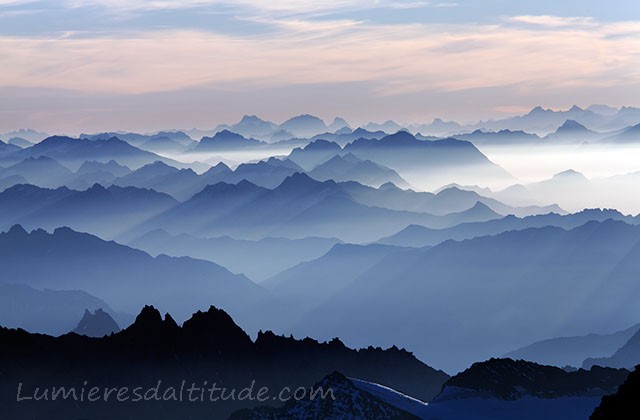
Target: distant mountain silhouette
(8, 149)
(11, 181)
(183, 184)
(252, 126)
(569, 188)
(92, 172)
(281, 135)
(72, 153)
(338, 124)
(299, 206)
(124, 277)
(437, 127)
(347, 401)
(21, 200)
(345, 136)
(46, 311)
(226, 140)
(419, 236)
(503, 280)
(441, 158)
(389, 127)
(209, 346)
(627, 356)
(572, 351)
(350, 168)
(179, 183)
(41, 171)
(573, 131)
(107, 212)
(544, 121)
(165, 145)
(268, 174)
(502, 137)
(112, 167)
(97, 324)
(315, 153)
(20, 142)
(304, 125)
(269, 256)
(310, 283)
(30, 135)
(446, 201)
(137, 140)
(603, 109)
(626, 135)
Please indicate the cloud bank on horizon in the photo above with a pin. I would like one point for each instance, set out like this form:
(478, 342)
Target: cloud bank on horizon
(145, 64)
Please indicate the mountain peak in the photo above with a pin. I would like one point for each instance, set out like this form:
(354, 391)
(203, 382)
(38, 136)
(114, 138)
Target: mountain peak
(216, 328)
(480, 207)
(569, 173)
(97, 188)
(304, 125)
(97, 324)
(575, 108)
(57, 140)
(17, 230)
(150, 322)
(338, 124)
(400, 136)
(571, 125)
(298, 180)
(303, 117)
(251, 119)
(360, 131)
(322, 145)
(149, 315)
(227, 135)
(539, 110)
(387, 186)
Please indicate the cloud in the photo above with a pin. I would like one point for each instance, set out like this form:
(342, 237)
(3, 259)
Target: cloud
(396, 58)
(298, 6)
(15, 2)
(524, 56)
(553, 21)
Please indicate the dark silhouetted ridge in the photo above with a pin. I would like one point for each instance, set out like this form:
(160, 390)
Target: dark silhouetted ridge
(509, 379)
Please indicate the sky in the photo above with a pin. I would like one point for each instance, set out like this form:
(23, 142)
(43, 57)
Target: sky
(71, 66)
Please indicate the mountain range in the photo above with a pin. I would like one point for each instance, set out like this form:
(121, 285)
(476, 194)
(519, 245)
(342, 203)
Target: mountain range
(269, 256)
(107, 212)
(72, 152)
(508, 389)
(573, 351)
(209, 346)
(626, 356)
(420, 236)
(299, 207)
(483, 294)
(122, 276)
